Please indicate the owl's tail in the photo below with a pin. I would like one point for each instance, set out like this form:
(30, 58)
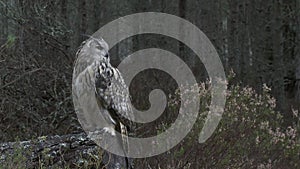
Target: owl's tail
(124, 135)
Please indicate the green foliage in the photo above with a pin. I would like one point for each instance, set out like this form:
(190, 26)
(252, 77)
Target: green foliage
(17, 160)
(10, 40)
(180, 152)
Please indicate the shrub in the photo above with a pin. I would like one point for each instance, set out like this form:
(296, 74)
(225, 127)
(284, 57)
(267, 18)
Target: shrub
(249, 135)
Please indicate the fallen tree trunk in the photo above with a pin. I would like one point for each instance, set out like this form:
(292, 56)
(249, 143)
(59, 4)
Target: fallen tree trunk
(73, 151)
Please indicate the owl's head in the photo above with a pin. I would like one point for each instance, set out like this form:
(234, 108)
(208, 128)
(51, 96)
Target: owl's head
(96, 48)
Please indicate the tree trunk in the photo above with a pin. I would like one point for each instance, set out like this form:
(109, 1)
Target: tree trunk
(278, 68)
(297, 92)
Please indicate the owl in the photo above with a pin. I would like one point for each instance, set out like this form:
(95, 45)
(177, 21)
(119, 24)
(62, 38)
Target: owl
(95, 80)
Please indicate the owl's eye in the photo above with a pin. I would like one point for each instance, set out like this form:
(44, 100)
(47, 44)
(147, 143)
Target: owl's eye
(99, 47)
(106, 55)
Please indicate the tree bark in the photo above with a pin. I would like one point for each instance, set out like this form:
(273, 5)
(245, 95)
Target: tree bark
(74, 150)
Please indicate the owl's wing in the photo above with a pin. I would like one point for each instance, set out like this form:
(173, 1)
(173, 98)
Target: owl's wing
(113, 94)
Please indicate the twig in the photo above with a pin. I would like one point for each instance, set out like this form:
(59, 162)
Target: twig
(15, 80)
